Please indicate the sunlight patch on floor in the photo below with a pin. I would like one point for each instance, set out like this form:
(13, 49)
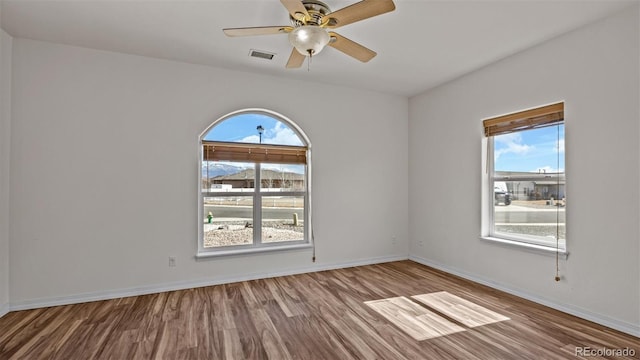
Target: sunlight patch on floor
(425, 320)
(459, 309)
(417, 321)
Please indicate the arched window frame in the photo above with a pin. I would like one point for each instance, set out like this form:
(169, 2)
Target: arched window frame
(259, 246)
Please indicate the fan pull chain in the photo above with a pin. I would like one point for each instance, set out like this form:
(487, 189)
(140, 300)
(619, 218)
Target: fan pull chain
(310, 51)
(557, 278)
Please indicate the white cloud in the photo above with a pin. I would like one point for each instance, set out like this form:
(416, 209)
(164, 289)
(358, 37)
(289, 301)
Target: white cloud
(250, 139)
(283, 135)
(560, 146)
(511, 143)
(280, 134)
(508, 138)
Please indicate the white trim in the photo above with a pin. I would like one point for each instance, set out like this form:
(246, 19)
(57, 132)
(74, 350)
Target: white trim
(251, 250)
(604, 320)
(257, 194)
(181, 285)
(528, 247)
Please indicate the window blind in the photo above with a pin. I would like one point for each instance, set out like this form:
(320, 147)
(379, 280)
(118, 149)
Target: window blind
(525, 120)
(259, 153)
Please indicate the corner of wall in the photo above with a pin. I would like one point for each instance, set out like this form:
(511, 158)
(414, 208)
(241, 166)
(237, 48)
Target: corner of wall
(606, 53)
(6, 43)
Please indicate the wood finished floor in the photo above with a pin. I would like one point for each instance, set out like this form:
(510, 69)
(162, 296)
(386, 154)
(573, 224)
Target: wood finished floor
(319, 315)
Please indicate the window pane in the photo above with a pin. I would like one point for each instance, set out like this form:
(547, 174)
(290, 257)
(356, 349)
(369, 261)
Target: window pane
(531, 151)
(282, 218)
(529, 186)
(224, 176)
(233, 150)
(279, 177)
(530, 210)
(228, 221)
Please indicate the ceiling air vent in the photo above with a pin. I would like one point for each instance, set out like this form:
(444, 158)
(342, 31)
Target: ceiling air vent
(261, 54)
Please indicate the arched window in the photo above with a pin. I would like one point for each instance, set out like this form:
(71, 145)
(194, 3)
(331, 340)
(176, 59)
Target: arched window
(254, 184)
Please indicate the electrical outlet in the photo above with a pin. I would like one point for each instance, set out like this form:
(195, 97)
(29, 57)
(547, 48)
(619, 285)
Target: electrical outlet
(172, 261)
(394, 240)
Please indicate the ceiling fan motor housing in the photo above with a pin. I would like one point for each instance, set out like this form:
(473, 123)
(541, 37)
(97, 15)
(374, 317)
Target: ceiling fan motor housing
(316, 9)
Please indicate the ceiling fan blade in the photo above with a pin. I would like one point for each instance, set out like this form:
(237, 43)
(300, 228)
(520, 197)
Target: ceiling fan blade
(358, 11)
(351, 48)
(260, 30)
(296, 9)
(295, 59)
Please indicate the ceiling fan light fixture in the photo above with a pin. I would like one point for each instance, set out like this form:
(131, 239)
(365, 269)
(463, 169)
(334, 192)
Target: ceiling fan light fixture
(309, 39)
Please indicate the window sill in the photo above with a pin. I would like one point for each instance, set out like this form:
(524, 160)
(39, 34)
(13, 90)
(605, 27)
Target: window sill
(256, 250)
(538, 249)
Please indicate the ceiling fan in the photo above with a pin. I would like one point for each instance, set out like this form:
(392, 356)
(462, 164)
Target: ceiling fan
(311, 22)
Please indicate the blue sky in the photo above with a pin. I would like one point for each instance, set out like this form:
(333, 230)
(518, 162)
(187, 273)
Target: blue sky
(242, 128)
(530, 151)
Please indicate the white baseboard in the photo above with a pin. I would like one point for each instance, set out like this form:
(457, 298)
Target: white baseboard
(626, 327)
(158, 288)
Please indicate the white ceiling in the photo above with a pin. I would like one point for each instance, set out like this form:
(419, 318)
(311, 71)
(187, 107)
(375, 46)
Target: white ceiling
(420, 45)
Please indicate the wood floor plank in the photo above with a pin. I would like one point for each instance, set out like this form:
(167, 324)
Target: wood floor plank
(245, 328)
(15, 328)
(106, 331)
(232, 345)
(287, 306)
(322, 315)
(271, 339)
(39, 343)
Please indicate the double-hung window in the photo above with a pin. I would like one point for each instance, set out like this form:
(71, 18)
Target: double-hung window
(254, 185)
(525, 191)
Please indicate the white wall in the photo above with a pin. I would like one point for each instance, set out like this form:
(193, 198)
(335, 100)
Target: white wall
(595, 71)
(104, 172)
(5, 139)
